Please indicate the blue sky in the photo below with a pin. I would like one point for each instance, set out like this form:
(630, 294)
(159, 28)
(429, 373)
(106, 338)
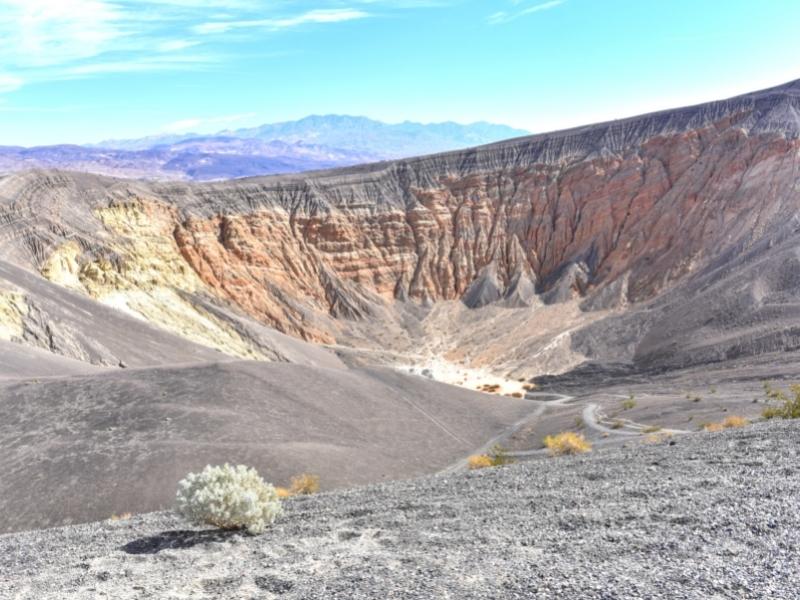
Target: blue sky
(86, 70)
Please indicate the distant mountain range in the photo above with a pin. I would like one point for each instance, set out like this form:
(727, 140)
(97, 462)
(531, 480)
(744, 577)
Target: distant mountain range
(312, 143)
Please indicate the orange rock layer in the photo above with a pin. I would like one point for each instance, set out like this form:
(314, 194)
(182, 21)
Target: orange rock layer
(653, 213)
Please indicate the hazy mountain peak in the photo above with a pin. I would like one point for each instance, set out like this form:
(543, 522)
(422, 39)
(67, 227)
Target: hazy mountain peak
(338, 131)
(311, 143)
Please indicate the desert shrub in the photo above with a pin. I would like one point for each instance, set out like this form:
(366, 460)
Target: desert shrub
(229, 497)
(713, 427)
(734, 422)
(772, 412)
(489, 388)
(658, 438)
(790, 403)
(479, 461)
(497, 457)
(304, 484)
(629, 403)
(283, 493)
(567, 442)
(617, 424)
(651, 429)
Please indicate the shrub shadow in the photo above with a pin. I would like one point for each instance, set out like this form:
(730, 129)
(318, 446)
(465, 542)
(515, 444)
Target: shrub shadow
(177, 540)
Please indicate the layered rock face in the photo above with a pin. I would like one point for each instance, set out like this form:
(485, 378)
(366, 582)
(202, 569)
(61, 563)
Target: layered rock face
(581, 208)
(611, 215)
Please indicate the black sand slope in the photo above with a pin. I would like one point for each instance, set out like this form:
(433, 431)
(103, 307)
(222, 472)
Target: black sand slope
(87, 447)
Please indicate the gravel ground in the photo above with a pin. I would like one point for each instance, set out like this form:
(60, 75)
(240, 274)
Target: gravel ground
(708, 516)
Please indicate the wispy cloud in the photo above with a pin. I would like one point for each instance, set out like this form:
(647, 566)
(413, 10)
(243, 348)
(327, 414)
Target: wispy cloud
(187, 125)
(42, 40)
(9, 83)
(176, 45)
(50, 40)
(333, 15)
(134, 65)
(39, 33)
(503, 16)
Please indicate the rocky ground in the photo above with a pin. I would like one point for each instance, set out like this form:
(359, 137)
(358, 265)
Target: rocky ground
(698, 516)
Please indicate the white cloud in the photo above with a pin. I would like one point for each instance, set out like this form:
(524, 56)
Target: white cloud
(333, 15)
(46, 40)
(9, 83)
(188, 125)
(135, 66)
(38, 33)
(502, 16)
(176, 45)
(50, 40)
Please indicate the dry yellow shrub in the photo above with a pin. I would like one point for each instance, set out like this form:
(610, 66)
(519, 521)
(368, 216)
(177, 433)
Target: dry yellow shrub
(734, 422)
(479, 461)
(567, 442)
(304, 484)
(283, 493)
(657, 438)
(713, 427)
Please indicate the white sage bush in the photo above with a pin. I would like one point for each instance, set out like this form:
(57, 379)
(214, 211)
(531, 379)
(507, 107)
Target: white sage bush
(229, 497)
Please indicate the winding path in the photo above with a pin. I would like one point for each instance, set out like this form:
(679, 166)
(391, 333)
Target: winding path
(591, 415)
(541, 408)
(595, 420)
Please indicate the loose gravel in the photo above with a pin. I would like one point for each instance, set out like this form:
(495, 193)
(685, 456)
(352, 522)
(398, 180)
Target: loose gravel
(705, 516)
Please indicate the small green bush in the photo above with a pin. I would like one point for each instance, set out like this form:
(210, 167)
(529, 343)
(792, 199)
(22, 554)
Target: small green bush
(790, 403)
(499, 456)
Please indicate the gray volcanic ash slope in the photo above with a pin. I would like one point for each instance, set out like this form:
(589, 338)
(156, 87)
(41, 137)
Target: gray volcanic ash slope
(89, 446)
(709, 517)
